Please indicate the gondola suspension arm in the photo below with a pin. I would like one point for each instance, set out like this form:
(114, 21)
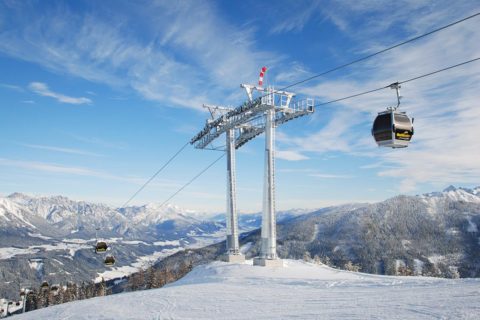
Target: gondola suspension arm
(397, 87)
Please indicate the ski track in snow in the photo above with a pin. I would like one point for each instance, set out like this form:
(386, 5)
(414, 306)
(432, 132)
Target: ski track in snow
(299, 290)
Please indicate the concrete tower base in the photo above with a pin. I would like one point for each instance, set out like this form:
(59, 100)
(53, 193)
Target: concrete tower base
(267, 262)
(233, 258)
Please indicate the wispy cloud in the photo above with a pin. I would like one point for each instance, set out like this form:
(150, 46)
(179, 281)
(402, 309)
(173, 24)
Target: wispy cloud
(62, 150)
(98, 141)
(11, 87)
(292, 73)
(296, 15)
(290, 155)
(43, 90)
(49, 167)
(67, 170)
(315, 173)
(183, 62)
(330, 176)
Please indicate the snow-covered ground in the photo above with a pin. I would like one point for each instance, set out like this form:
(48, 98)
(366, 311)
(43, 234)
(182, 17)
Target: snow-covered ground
(142, 262)
(299, 290)
(10, 252)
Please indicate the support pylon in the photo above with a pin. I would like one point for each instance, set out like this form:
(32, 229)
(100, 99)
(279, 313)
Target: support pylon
(242, 124)
(268, 251)
(269, 248)
(233, 250)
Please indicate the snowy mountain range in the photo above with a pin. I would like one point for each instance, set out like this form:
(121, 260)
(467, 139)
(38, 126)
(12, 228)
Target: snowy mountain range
(62, 217)
(434, 234)
(431, 234)
(83, 218)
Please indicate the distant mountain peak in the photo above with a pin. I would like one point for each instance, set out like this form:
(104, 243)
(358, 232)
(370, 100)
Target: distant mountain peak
(455, 194)
(18, 195)
(450, 188)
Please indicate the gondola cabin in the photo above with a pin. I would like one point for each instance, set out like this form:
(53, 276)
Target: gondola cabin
(109, 261)
(392, 129)
(44, 285)
(101, 247)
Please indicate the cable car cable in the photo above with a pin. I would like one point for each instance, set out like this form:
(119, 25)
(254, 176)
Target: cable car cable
(193, 179)
(382, 51)
(352, 96)
(155, 174)
(399, 82)
(438, 71)
(377, 53)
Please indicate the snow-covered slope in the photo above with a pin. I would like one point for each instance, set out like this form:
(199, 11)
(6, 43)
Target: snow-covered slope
(13, 215)
(299, 290)
(432, 235)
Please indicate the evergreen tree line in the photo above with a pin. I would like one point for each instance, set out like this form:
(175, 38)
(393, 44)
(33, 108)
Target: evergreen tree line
(150, 278)
(45, 296)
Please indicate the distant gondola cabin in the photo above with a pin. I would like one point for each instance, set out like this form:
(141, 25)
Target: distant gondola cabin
(109, 261)
(101, 247)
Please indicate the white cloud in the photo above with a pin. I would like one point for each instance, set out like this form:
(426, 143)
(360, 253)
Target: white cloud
(62, 150)
(330, 176)
(315, 173)
(294, 72)
(290, 155)
(332, 137)
(43, 90)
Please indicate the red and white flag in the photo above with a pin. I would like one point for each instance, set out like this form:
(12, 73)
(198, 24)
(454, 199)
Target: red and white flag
(262, 74)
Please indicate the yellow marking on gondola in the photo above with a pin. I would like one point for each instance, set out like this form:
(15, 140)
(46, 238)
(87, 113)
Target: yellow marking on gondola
(404, 135)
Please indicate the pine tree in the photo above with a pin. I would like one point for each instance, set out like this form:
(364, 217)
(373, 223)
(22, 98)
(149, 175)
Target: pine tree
(152, 280)
(349, 266)
(101, 289)
(31, 300)
(82, 292)
(307, 257)
(327, 261)
(42, 298)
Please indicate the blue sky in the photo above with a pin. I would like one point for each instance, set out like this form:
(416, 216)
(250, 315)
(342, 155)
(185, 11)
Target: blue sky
(97, 95)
